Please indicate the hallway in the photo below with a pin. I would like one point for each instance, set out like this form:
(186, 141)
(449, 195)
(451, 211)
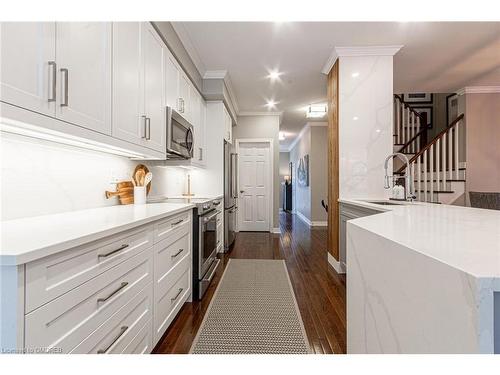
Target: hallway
(320, 292)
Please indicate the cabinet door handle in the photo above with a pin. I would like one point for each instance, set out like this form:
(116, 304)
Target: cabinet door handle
(177, 222)
(65, 73)
(53, 66)
(143, 127)
(105, 350)
(113, 252)
(177, 253)
(177, 295)
(123, 285)
(201, 154)
(148, 128)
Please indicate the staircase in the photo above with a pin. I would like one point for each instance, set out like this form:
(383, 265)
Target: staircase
(437, 174)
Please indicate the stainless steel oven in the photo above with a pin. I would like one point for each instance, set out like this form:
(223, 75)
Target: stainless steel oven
(208, 240)
(179, 136)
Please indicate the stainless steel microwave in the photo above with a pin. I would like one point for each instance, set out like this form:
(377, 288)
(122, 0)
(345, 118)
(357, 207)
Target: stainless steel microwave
(179, 136)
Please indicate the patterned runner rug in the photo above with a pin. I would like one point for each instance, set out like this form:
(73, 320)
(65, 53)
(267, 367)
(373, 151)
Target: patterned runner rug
(253, 311)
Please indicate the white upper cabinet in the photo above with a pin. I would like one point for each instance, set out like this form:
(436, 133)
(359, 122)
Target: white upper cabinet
(178, 87)
(154, 93)
(128, 82)
(83, 56)
(138, 85)
(28, 65)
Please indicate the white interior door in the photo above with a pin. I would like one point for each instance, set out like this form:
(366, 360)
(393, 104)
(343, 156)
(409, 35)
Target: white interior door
(255, 187)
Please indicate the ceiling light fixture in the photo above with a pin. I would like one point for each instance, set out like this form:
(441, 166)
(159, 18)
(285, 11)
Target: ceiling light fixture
(355, 74)
(274, 75)
(355, 118)
(316, 111)
(282, 136)
(271, 104)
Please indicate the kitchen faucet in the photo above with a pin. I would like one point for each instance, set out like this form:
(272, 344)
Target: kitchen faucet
(409, 193)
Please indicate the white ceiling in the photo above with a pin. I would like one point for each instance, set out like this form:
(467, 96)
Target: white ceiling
(436, 57)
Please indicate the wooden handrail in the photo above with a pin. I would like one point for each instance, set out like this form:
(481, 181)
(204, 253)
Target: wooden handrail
(434, 140)
(408, 106)
(413, 138)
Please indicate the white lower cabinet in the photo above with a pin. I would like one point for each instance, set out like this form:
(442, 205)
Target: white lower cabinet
(115, 295)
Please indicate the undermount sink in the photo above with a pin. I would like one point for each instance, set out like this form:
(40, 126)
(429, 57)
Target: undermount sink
(385, 203)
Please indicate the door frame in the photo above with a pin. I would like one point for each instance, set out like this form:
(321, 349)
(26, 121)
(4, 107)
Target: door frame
(270, 141)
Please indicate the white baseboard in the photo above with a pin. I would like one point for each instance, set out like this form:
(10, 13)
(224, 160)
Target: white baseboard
(337, 266)
(303, 218)
(319, 223)
(276, 231)
(311, 223)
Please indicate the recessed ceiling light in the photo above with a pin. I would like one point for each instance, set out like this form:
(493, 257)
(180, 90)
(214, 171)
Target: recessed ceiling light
(282, 136)
(355, 74)
(355, 118)
(271, 103)
(378, 130)
(274, 75)
(316, 111)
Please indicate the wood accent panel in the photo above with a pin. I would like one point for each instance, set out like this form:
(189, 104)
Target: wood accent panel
(333, 160)
(320, 291)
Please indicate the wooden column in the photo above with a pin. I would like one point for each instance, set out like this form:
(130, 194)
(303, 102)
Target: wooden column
(333, 160)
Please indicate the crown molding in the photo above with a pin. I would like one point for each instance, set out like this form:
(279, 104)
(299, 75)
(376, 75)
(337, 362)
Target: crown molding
(188, 44)
(330, 62)
(224, 76)
(250, 113)
(479, 90)
(215, 74)
(368, 50)
(359, 51)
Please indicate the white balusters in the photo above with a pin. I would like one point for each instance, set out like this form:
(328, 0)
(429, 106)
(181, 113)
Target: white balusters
(431, 167)
(450, 155)
(444, 161)
(419, 177)
(438, 165)
(424, 165)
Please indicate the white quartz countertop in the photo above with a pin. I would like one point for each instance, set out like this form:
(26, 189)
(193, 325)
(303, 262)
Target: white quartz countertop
(28, 239)
(462, 237)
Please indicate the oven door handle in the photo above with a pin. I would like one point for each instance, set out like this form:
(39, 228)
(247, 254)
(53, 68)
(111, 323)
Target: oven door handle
(215, 265)
(207, 219)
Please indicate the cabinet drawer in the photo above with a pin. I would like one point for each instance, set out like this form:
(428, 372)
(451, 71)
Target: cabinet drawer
(166, 227)
(143, 342)
(170, 294)
(120, 330)
(53, 276)
(64, 322)
(171, 251)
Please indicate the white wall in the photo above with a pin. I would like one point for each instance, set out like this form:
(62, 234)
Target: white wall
(301, 194)
(365, 124)
(41, 177)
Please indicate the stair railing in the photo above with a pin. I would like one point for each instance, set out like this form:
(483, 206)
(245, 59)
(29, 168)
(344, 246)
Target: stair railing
(407, 124)
(437, 163)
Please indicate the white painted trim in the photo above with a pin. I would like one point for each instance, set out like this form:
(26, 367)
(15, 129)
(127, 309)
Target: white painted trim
(368, 50)
(188, 45)
(303, 218)
(330, 62)
(276, 231)
(319, 223)
(224, 75)
(215, 74)
(358, 51)
(271, 172)
(337, 266)
(479, 90)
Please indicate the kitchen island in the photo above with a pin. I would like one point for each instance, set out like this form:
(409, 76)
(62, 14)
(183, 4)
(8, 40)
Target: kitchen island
(423, 278)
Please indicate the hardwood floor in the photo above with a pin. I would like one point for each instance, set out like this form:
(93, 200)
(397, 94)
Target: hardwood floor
(320, 291)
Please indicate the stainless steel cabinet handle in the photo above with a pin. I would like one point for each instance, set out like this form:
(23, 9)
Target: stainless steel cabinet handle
(122, 331)
(177, 222)
(177, 295)
(53, 65)
(148, 128)
(143, 127)
(123, 285)
(177, 253)
(113, 252)
(65, 73)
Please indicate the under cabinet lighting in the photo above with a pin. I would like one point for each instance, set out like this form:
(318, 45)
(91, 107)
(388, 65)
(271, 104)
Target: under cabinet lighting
(32, 131)
(316, 111)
